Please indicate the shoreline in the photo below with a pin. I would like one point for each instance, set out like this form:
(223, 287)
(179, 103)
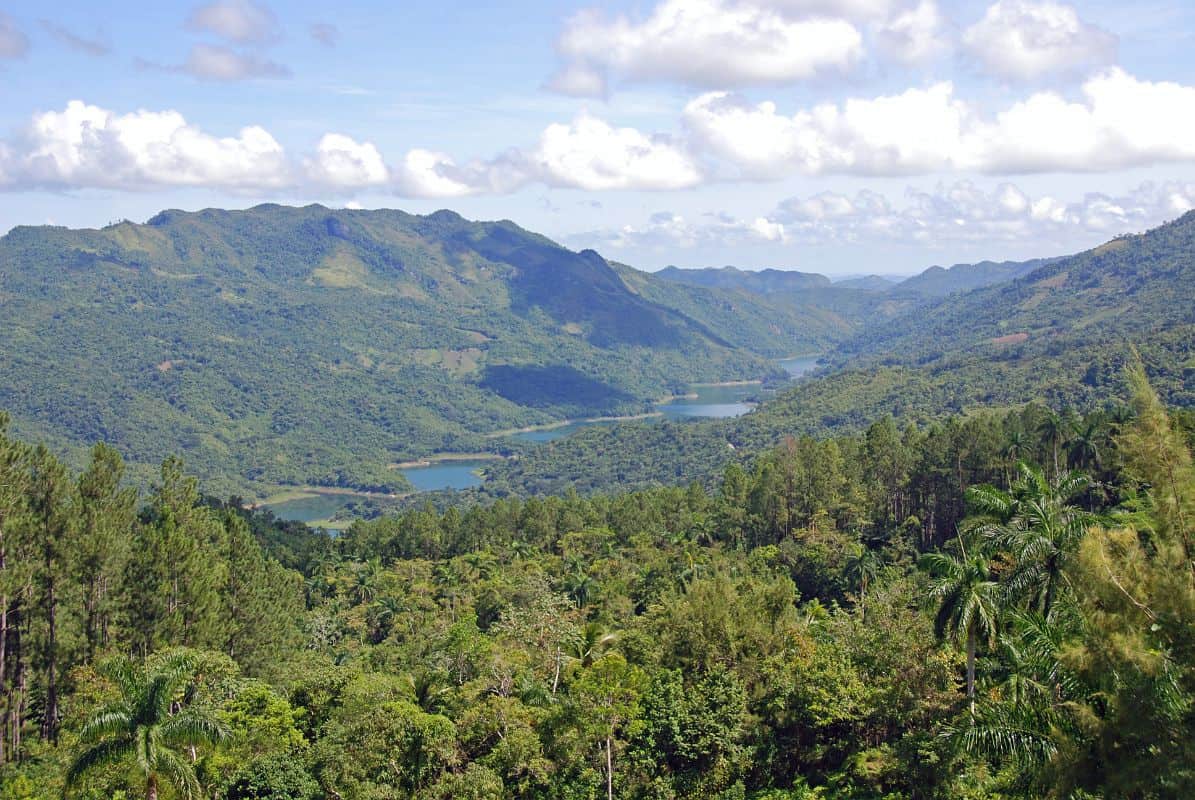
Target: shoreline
(304, 492)
(549, 426)
(441, 458)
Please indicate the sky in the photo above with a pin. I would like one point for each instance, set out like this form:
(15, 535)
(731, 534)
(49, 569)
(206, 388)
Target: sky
(836, 136)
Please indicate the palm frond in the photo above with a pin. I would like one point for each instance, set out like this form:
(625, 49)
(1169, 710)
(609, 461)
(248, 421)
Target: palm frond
(181, 774)
(193, 727)
(102, 754)
(113, 720)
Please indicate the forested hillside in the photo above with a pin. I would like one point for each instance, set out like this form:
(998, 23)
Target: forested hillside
(1061, 334)
(310, 346)
(995, 607)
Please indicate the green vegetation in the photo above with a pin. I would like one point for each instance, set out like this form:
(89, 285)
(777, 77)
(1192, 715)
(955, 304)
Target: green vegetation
(905, 612)
(1062, 335)
(307, 346)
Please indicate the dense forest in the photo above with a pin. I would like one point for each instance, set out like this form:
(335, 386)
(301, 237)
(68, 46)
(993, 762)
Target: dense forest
(985, 606)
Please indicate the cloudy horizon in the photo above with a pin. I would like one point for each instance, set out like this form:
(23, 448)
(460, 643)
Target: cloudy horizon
(833, 136)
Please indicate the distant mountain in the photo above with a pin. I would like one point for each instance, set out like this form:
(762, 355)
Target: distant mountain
(765, 281)
(941, 281)
(868, 283)
(316, 346)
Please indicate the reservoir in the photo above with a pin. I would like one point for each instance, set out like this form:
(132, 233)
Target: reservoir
(705, 402)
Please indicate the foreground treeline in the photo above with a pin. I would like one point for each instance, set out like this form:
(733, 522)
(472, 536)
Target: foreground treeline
(908, 613)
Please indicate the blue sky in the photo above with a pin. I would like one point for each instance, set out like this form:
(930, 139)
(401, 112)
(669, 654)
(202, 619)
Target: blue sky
(840, 136)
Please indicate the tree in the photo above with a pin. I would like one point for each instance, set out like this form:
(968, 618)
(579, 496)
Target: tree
(969, 602)
(861, 569)
(607, 696)
(143, 730)
(1037, 524)
(106, 515)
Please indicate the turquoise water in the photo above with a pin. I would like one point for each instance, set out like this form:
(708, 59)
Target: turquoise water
(712, 402)
(445, 475)
(310, 509)
(717, 402)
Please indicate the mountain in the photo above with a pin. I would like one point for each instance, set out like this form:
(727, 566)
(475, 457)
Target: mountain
(763, 281)
(942, 281)
(773, 324)
(314, 346)
(868, 283)
(1060, 334)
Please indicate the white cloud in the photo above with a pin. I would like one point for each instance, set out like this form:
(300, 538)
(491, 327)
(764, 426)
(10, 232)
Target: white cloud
(1119, 122)
(963, 212)
(949, 214)
(340, 161)
(590, 154)
(861, 10)
(13, 42)
(215, 63)
(424, 173)
(916, 131)
(708, 43)
(1023, 40)
(917, 35)
(587, 153)
(242, 21)
(666, 231)
(87, 146)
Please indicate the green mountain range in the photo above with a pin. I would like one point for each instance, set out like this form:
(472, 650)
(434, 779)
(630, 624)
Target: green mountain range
(311, 346)
(1059, 334)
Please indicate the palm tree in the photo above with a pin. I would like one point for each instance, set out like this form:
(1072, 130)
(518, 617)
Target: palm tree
(1037, 523)
(1053, 431)
(969, 602)
(861, 569)
(140, 728)
(1084, 447)
(1015, 448)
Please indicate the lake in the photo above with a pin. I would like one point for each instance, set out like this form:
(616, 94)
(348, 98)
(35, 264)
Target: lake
(445, 475)
(313, 508)
(707, 402)
(712, 402)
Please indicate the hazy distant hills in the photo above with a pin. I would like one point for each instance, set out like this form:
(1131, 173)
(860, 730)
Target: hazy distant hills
(307, 345)
(933, 282)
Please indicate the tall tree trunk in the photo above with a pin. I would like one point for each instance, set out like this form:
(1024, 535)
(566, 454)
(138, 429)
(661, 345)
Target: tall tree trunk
(971, 668)
(49, 725)
(609, 768)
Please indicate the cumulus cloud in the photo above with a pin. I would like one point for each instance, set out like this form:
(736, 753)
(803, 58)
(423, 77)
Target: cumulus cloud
(1023, 40)
(965, 212)
(591, 154)
(1119, 122)
(665, 231)
(241, 21)
(706, 43)
(954, 213)
(13, 42)
(91, 47)
(916, 35)
(325, 33)
(342, 162)
(587, 153)
(87, 146)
